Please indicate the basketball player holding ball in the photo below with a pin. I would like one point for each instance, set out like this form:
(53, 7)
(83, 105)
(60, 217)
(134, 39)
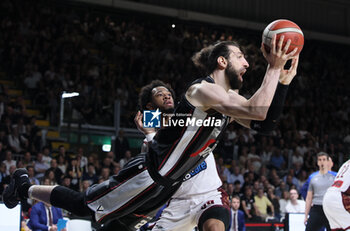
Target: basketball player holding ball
(175, 151)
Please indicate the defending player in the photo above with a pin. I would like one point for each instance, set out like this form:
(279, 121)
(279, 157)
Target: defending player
(336, 201)
(175, 150)
(198, 201)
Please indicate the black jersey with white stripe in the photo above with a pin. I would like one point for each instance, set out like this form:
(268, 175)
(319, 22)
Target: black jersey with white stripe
(188, 138)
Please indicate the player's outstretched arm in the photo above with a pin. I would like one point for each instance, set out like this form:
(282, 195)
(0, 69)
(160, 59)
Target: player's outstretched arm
(214, 96)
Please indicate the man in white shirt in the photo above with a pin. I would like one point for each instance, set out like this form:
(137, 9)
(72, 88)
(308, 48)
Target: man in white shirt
(9, 161)
(294, 205)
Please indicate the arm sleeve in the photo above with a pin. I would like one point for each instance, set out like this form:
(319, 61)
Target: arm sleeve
(149, 137)
(266, 126)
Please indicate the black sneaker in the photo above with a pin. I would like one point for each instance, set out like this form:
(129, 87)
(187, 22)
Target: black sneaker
(17, 189)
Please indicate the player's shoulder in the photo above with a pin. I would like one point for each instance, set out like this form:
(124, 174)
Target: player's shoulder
(205, 93)
(203, 87)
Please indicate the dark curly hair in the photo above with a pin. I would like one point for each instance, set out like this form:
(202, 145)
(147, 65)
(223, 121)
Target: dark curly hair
(206, 59)
(145, 95)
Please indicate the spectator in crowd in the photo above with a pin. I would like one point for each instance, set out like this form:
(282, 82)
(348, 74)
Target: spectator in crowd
(290, 179)
(282, 187)
(9, 161)
(61, 163)
(67, 181)
(40, 166)
(237, 216)
(230, 190)
(82, 159)
(50, 176)
(275, 202)
(31, 174)
(222, 169)
(85, 185)
(248, 204)
(90, 175)
(116, 169)
(18, 143)
(56, 170)
(105, 174)
(107, 162)
(62, 152)
(237, 190)
(111, 156)
(254, 159)
(27, 159)
(262, 204)
(236, 175)
(8, 177)
(74, 171)
(294, 205)
(283, 201)
(125, 159)
(46, 155)
(277, 161)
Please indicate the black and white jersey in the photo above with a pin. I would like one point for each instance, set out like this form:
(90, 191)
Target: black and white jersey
(150, 179)
(186, 140)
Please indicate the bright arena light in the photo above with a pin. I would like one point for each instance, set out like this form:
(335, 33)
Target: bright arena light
(172, 25)
(106, 147)
(69, 95)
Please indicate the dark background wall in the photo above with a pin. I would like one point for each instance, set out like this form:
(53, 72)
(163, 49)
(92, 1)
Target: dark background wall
(331, 16)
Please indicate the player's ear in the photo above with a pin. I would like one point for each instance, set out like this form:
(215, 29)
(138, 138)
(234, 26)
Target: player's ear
(222, 62)
(149, 106)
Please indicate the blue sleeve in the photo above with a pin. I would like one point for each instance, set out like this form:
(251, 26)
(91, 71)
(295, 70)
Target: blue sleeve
(333, 173)
(303, 190)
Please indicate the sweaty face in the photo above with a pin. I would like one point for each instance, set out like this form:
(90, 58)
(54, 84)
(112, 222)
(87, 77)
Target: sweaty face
(237, 66)
(162, 99)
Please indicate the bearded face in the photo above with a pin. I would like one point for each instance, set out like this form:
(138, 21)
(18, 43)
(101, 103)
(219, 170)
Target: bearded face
(233, 77)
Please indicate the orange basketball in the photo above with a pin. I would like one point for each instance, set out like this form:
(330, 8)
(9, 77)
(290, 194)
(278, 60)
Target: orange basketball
(289, 29)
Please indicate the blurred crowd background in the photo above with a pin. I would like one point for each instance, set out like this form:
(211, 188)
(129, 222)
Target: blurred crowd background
(47, 47)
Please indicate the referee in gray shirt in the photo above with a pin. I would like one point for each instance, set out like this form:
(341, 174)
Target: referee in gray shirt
(314, 215)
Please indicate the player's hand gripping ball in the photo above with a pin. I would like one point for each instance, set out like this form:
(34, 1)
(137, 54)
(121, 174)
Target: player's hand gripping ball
(289, 29)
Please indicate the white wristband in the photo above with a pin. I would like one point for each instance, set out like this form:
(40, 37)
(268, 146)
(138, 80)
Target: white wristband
(149, 137)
